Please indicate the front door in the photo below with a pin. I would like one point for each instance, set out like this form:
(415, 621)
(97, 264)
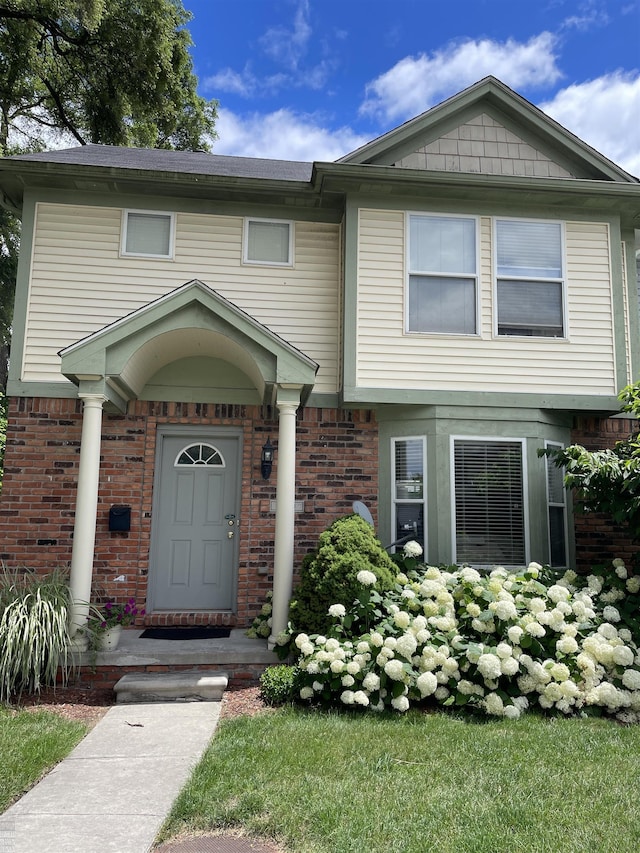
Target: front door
(194, 533)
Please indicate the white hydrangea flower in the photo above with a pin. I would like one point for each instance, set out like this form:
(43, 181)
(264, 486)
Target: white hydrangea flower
(442, 693)
(515, 633)
(631, 679)
(394, 669)
(306, 692)
(473, 609)
(377, 639)
(489, 666)
(401, 578)
(337, 611)
(402, 619)
(320, 640)
(559, 671)
(353, 667)
(625, 635)
(611, 614)
(534, 569)
(336, 666)
(621, 571)
(400, 703)
(566, 645)
(504, 650)
(427, 683)
(348, 697)
(413, 549)
(535, 629)
(300, 639)
(348, 681)
(504, 610)
(623, 656)
(494, 705)
(366, 578)
(407, 645)
(360, 698)
(509, 666)
(470, 575)
(537, 605)
(317, 686)
(307, 648)
(558, 593)
(595, 584)
(511, 712)
(313, 667)
(633, 584)
(371, 682)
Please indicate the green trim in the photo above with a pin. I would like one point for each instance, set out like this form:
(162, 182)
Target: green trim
(438, 425)
(371, 397)
(323, 401)
(350, 298)
(634, 302)
(618, 307)
(259, 207)
(62, 390)
(21, 302)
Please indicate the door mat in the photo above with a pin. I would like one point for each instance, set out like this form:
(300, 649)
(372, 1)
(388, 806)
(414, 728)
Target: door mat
(191, 632)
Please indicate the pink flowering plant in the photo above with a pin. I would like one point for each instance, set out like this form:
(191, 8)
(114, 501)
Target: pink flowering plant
(113, 613)
(494, 643)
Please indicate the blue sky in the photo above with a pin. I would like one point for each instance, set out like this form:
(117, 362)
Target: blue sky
(314, 79)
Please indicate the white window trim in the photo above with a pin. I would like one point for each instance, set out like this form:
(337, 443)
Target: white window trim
(409, 272)
(423, 500)
(123, 234)
(525, 488)
(562, 280)
(564, 505)
(245, 242)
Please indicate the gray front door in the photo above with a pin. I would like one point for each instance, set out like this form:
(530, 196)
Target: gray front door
(194, 538)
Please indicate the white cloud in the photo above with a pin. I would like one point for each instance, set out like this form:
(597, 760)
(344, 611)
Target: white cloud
(287, 46)
(227, 80)
(416, 83)
(282, 135)
(605, 113)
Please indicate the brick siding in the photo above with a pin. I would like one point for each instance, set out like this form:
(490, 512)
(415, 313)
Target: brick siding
(336, 464)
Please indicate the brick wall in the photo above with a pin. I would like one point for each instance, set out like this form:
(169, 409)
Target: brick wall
(336, 464)
(597, 539)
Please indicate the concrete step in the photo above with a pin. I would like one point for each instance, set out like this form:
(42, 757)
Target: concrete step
(186, 686)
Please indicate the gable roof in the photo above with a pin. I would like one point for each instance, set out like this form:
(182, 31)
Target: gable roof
(510, 109)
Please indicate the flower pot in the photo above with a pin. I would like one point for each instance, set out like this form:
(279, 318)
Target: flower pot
(110, 638)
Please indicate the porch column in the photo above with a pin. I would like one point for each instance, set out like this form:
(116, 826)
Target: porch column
(285, 511)
(84, 529)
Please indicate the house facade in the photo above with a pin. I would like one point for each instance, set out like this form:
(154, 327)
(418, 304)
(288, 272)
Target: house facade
(407, 327)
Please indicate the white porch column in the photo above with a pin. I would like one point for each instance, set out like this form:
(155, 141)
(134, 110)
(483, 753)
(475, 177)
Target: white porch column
(84, 530)
(285, 513)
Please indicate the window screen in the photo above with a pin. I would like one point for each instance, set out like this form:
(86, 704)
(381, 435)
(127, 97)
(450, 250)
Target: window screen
(489, 502)
(408, 497)
(442, 275)
(148, 234)
(268, 242)
(529, 286)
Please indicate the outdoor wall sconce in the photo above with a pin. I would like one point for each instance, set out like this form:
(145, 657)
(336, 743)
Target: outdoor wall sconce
(266, 460)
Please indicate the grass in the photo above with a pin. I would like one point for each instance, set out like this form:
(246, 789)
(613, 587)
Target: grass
(341, 783)
(31, 742)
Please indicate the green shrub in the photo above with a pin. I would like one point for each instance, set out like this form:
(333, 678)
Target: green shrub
(34, 626)
(329, 575)
(279, 684)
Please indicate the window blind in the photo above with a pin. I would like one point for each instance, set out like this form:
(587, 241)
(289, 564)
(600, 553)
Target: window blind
(148, 234)
(489, 502)
(268, 242)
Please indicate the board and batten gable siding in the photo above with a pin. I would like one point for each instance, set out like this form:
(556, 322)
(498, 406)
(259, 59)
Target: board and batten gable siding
(80, 283)
(389, 358)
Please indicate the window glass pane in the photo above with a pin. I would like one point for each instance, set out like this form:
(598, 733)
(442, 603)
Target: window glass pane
(557, 539)
(529, 249)
(409, 523)
(489, 502)
(199, 454)
(441, 244)
(442, 305)
(268, 242)
(409, 469)
(148, 234)
(530, 308)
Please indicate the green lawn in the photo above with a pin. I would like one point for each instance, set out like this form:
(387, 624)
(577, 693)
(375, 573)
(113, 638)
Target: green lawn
(341, 783)
(31, 742)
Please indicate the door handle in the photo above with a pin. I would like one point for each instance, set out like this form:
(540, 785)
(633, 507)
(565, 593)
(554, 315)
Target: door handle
(230, 534)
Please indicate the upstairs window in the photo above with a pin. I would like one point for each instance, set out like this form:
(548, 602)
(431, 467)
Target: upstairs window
(529, 278)
(147, 234)
(268, 242)
(442, 275)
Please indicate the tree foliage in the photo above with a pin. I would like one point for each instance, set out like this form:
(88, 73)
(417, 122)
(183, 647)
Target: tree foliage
(116, 72)
(608, 480)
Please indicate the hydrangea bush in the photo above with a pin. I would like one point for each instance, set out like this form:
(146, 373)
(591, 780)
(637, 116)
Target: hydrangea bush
(496, 644)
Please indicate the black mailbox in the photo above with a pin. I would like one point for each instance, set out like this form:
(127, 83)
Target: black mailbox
(120, 518)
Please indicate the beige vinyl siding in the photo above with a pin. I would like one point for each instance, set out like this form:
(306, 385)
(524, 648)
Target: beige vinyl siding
(387, 357)
(79, 282)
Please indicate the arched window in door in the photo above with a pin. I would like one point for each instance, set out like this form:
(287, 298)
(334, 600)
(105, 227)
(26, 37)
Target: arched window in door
(199, 454)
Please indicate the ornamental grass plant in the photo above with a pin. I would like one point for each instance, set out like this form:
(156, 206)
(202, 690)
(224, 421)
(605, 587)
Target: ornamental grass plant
(494, 644)
(34, 627)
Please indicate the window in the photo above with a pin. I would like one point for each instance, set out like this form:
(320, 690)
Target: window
(148, 234)
(557, 510)
(529, 278)
(442, 275)
(199, 454)
(408, 499)
(269, 242)
(489, 502)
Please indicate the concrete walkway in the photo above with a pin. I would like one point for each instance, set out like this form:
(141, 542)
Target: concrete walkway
(113, 792)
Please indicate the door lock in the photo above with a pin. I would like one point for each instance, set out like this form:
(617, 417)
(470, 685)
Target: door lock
(230, 534)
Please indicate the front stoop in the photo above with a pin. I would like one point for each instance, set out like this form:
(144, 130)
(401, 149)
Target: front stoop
(190, 686)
